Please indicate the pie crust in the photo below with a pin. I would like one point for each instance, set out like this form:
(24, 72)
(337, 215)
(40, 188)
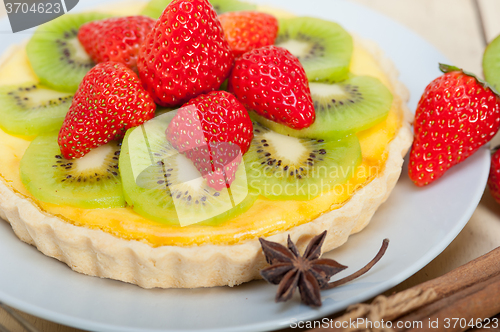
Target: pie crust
(97, 253)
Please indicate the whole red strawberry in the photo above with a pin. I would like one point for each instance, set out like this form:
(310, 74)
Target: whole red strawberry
(213, 131)
(246, 30)
(109, 100)
(494, 178)
(186, 53)
(272, 82)
(115, 39)
(456, 115)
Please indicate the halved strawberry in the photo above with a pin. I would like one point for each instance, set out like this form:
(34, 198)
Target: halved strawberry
(109, 100)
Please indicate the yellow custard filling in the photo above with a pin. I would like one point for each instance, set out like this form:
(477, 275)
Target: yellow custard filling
(264, 218)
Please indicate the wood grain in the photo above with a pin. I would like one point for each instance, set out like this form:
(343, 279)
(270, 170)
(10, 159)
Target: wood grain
(41, 324)
(450, 25)
(490, 11)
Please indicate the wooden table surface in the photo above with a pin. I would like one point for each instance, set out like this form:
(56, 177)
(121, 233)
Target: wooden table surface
(460, 29)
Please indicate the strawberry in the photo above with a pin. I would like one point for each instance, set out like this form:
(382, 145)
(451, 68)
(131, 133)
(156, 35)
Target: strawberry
(115, 39)
(186, 53)
(272, 82)
(109, 100)
(246, 30)
(494, 178)
(456, 115)
(213, 131)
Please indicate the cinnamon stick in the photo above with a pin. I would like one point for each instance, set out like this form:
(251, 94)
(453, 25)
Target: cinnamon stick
(481, 272)
(460, 311)
(476, 271)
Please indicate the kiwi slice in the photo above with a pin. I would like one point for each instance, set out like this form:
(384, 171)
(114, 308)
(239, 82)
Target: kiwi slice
(90, 182)
(341, 109)
(282, 167)
(163, 185)
(32, 109)
(324, 48)
(56, 55)
(155, 8)
(491, 63)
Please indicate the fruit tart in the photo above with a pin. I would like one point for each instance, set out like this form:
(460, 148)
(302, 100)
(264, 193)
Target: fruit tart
(156, 144)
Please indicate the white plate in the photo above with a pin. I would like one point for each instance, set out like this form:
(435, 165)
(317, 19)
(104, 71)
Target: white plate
(419, 222)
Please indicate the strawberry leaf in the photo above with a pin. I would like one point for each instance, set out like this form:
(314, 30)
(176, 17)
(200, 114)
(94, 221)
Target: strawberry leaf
(448, 69)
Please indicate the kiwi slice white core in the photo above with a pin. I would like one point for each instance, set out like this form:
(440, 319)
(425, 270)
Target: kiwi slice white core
(94, 159)
(43, 97)
(327, 90)
(280, 167)
(189, 175)
(286, 148)
(78, 52)
(299, 48)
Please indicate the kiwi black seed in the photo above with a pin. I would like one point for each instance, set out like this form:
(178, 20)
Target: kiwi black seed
(342, 109)
(324, 48)
(56, 55)
(155, 8)
(163, 185)
(281, 167)
(90, 182)
(32, 109)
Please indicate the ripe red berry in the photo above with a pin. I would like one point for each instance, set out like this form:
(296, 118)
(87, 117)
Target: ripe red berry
(494, 178)
(246, 30)
(109, 100)
(272, 82)
(213, 131)
(456, 115)
(115, 39)
(186, 53)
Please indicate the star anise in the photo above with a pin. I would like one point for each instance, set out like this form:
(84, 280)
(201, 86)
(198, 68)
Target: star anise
(308, 272)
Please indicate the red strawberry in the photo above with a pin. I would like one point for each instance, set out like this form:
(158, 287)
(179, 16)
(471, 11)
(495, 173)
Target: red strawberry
(456, 115)
(494, 179)
(247, 30)
(109, 100)
(213, 131)
(273, 83)
(186, 53)
(115, 39)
